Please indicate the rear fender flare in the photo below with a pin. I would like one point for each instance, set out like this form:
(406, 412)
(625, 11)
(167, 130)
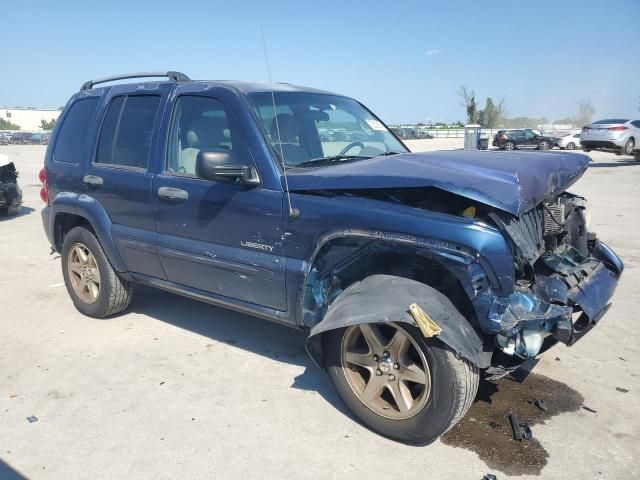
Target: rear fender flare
(91, 210)
(385, 298)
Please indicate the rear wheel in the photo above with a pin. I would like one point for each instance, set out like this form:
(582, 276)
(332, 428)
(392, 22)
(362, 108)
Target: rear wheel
(92, 283)
(571, 146)
(628, 147)
(11, 210)
(398, 383)
(509, 146)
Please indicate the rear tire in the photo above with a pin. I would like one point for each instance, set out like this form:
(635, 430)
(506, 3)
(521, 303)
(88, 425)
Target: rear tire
(571, 146)
(453, 384)
(509, 146)
(11, 210)
(628, 147)
(93, 285)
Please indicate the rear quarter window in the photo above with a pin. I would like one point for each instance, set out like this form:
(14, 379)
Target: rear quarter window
(73, 131)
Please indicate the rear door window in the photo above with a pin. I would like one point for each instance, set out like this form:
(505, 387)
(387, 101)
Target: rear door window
(73, 131)
(125, 137)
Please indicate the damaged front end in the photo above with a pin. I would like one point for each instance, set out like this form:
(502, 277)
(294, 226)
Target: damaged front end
(565, 278)
(10, 192)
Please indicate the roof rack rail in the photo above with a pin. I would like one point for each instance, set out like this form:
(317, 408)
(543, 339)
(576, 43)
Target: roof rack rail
(174, 76)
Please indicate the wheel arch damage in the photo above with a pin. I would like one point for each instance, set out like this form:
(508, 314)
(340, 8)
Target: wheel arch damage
(385, 298)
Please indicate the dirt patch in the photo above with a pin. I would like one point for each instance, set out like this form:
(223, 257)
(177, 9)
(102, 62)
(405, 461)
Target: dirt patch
(486, 429)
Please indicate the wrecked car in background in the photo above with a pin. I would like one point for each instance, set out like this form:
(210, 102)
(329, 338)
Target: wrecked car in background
(414, 273)
(10, 192)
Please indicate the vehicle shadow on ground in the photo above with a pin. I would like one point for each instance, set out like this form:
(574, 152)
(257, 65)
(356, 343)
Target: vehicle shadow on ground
(619, 163)
(8, 473)
(23, 211)
(256, 335)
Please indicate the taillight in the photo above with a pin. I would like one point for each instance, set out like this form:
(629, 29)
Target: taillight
(44, 191)
(619, 128)
(585, 129)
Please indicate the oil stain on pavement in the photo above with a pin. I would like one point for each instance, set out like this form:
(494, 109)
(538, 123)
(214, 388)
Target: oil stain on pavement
(486, 429)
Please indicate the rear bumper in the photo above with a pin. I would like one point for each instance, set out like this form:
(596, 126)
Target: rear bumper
(601, 144)
(46, 223)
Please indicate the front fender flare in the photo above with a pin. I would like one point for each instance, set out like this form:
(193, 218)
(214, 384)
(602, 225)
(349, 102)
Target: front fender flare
(385, 298)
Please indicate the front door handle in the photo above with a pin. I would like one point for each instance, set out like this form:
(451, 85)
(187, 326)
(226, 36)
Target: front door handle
(93, 181)
(170, 193)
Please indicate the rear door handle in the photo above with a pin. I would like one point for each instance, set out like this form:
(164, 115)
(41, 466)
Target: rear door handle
(170, 193)
(93, 181)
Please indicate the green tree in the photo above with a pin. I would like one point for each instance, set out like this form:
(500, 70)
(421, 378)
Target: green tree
(493, 114)
(7, 125)
(468, 98)
(47, 125)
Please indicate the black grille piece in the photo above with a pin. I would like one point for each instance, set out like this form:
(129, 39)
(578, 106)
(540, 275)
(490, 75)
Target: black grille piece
(526, 231)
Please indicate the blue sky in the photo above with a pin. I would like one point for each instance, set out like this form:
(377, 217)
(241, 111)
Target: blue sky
(404, 59)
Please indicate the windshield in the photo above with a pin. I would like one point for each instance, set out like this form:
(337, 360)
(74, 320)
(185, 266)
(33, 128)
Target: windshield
(315, 129)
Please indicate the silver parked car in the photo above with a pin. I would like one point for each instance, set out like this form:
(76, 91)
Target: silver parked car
(570, 141)
(617, 134)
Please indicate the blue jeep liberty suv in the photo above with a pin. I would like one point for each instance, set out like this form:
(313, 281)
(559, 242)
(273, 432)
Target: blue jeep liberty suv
(413, 273)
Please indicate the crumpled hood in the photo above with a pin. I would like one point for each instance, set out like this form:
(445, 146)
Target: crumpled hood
(511, 181)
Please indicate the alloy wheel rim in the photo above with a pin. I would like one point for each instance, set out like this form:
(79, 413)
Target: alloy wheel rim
(629, 147)
(386, 369)
(84, 273)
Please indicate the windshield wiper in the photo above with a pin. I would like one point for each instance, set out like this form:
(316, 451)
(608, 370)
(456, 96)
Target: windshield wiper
(339, 158)
(330, 159)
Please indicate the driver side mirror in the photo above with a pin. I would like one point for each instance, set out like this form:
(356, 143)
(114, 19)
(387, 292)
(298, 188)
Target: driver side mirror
(219, 166)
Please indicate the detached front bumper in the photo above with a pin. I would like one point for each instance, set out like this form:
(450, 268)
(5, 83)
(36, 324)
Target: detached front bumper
(566, 302)
(591, 295)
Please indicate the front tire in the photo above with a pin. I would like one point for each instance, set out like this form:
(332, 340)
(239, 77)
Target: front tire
(571, 146)
(93, 285)
(397, 382)
(509, 146)
(543, 145)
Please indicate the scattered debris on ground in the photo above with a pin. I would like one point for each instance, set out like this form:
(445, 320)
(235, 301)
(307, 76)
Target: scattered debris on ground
(622, 390)
(32, 419)
(584, 407)
(490, 435)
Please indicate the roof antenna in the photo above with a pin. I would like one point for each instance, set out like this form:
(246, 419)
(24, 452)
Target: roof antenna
(293, 212)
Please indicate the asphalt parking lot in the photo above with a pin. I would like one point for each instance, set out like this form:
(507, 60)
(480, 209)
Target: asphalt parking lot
(173, 388)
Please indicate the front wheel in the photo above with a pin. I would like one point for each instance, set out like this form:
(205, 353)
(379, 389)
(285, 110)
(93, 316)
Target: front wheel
(398, 383)
(509, 146)
(92, 283)
(571, 146)
(543, 145)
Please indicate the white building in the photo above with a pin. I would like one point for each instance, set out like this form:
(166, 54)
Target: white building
(28, 118)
